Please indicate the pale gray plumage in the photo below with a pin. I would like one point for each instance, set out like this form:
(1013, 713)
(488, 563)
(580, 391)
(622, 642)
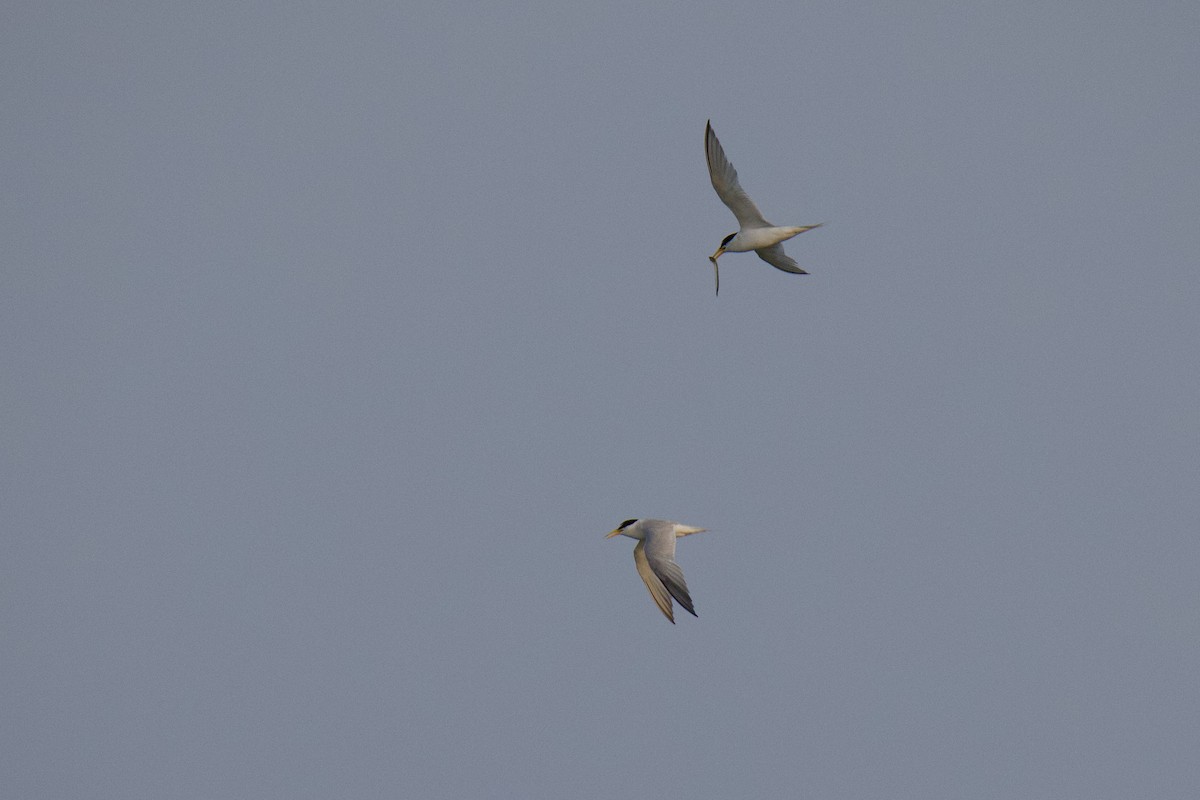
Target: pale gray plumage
(654, 557)
(778, 259)
(755, 232)
(725, 180)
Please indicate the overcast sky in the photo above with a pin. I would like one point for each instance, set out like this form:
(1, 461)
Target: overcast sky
(336, 337)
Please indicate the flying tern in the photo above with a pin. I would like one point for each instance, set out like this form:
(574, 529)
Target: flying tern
(654, 557)
(755, 232)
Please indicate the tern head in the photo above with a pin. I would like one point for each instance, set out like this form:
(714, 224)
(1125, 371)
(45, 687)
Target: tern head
(623, 529)
(724, 243)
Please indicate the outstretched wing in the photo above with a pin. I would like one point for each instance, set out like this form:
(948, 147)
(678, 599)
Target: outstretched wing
(778, 259)
(659, 552)
(662, 597)
(725, 180)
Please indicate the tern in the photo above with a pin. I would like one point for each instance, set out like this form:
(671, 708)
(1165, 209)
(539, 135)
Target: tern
(756, 233)
(654, 557)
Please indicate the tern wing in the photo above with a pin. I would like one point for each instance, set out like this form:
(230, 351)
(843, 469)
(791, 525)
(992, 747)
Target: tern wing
(725, 180)
(659, 552)
(778, 259)
(662, 597)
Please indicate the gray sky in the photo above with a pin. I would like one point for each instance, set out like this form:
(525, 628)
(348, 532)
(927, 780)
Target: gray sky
(337, 336)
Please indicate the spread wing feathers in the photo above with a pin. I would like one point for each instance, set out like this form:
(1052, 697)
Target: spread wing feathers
(725, 180)
(655, 560)
(662, 598)
(672, 577)
(778, 259)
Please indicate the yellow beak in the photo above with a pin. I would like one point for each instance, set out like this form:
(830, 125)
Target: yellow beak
(614, 533)
(717, 254)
